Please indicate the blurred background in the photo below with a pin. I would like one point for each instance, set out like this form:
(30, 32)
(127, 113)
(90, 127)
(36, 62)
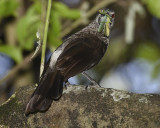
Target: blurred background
(132, 61)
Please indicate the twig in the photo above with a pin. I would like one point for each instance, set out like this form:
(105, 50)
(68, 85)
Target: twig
(38, 48)
(17, 67)
(45, 36)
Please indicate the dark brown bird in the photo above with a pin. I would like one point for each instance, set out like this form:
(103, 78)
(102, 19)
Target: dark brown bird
(78, 53)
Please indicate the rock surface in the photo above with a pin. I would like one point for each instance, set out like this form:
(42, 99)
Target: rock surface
(80, 108)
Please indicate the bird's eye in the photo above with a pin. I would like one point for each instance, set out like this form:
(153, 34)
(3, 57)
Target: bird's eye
(113, 15)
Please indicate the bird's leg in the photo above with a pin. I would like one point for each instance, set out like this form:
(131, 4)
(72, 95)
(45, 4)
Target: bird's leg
(66, 84)
(90, 79)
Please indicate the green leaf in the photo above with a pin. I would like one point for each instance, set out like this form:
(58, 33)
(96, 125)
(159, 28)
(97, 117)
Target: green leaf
(153, 6)
(36, 8)
(156, 70)
(148, 51)
(55, 29)
(26, 31)
(59, 10)
(55, 23)
(28, 26)
(66, 12)
(8, 7)
(14, 52)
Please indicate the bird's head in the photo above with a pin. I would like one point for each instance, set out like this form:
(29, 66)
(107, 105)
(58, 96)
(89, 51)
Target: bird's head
(105, 20)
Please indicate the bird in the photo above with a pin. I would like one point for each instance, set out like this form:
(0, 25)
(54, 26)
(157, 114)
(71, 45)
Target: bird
(78, 53)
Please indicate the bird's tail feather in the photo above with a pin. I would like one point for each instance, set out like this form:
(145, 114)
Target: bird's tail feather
(49, 88)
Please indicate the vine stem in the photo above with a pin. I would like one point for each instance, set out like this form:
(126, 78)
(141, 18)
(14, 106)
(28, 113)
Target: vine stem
(45, 36)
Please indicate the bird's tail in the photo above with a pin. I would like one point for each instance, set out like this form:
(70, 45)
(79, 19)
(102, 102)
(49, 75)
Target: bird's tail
(49, 88)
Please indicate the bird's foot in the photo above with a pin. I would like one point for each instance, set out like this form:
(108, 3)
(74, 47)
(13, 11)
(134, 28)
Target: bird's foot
(91, 80)
(95, 84)
(66, 84)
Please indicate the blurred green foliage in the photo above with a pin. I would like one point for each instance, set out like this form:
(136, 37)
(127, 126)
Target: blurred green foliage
(55, 29)
(66, 12)
(28, 25)
(153, 6)
(7, 7)
(150, 52)
(59, 11)
(147, 50)
(156, 70)
(12, 51)
(31, 22)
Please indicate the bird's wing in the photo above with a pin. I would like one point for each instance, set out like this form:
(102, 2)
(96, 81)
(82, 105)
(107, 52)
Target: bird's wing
(79, 55)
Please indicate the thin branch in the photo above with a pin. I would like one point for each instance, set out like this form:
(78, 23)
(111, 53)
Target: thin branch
(45, 36)
(17, 68)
